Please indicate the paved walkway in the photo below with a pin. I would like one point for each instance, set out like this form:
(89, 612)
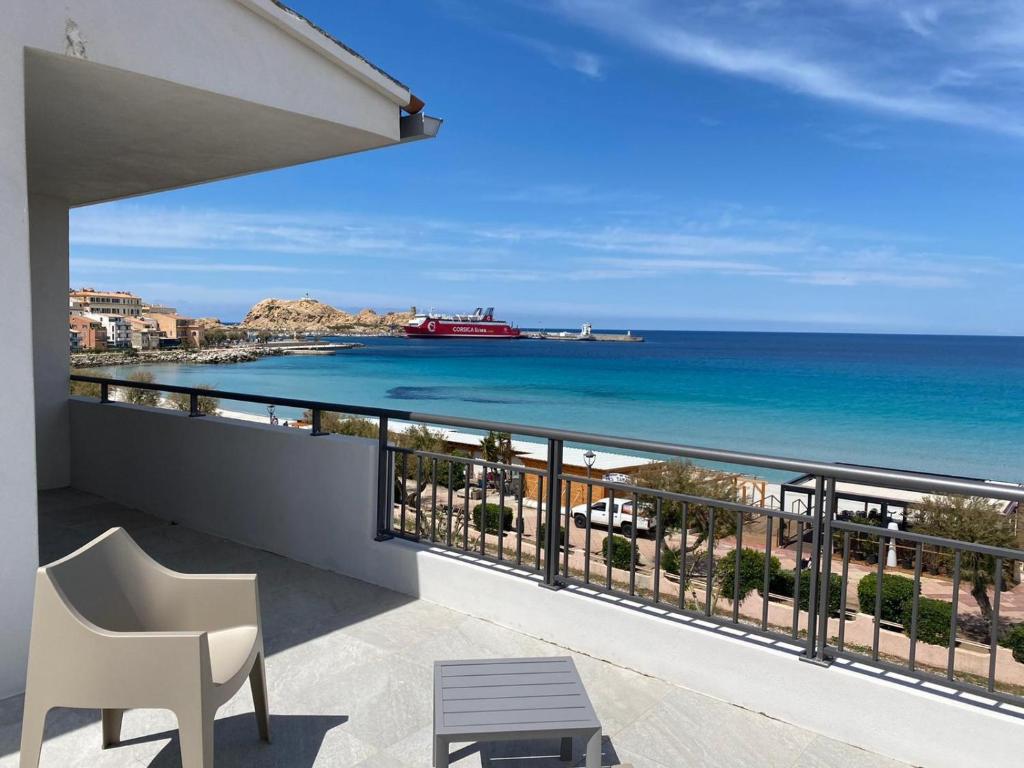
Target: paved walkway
(350, 669)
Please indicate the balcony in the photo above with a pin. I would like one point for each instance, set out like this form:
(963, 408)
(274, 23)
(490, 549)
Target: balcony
(350, 674)
(374, 562)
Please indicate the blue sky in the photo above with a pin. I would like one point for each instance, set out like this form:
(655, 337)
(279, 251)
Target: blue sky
(851, 165)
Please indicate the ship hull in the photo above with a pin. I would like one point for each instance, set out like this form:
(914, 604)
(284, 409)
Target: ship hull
(449, 329)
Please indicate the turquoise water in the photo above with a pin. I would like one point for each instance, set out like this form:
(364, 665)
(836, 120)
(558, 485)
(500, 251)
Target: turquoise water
(951, 404)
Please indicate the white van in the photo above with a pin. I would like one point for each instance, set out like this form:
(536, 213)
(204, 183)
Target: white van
(623, 518)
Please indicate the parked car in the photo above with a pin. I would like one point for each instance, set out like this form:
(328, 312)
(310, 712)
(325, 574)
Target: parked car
(623, 518)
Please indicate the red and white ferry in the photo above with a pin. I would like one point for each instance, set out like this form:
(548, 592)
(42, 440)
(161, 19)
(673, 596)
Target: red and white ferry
(478, 325)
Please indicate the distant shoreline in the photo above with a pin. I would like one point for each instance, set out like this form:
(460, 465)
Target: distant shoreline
(216, 356)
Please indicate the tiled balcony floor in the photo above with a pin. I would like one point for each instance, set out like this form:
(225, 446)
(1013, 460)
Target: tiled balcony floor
(349, 667)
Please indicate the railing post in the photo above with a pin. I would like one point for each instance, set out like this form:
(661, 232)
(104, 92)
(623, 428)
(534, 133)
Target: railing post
(383, 482)
(829, 511)
(551, 517)
(193, 404)
(104, 392)
(813, 569)
(315, 427)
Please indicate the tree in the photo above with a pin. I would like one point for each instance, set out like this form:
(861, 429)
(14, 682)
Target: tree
(970, 519)
(497, 447)
(85, 388)
(142, 396)
(214, 336)
(684, 477)
(342, 424)
(206, 405)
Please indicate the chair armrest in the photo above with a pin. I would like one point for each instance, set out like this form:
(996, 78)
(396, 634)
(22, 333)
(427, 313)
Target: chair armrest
(208, 602)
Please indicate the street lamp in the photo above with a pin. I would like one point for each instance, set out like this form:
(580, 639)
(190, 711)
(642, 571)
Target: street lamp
(589, 458)
(270, 413)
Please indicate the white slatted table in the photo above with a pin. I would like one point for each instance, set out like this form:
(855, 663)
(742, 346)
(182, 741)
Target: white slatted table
(506, 699)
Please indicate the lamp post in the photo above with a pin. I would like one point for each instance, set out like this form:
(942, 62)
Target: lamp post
(270, 413)
(589, 458)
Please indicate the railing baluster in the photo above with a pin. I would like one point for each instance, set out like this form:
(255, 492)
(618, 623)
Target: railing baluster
(465, 512)
(538, 544)
(566, 534)
(484, 516)
(915, 605)
(682, 556)
(632, 545)
(878, 597)
(586, 536)
(826, 512)
(814, 567)
(405, 487)
(419, 497)
(433, 500)
(711, 562)
(844, 581)
(954, 617)
(609, 532)
(797, 573)
(736, 564)
(500, 474)
(520, 523)
(994, 625)
(657, 551)
(451, 501)
(767, 577)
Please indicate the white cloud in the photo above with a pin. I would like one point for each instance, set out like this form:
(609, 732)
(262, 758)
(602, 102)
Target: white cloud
(584, 62)
(950, 61)
(162, 265)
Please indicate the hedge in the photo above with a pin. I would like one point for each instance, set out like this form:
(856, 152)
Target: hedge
(784, 583)
(933, 620)
(897, 593)
(670, 560)
(621, 552)
(751, 571)
(1014, 640)
(497, 517)
(542, 534)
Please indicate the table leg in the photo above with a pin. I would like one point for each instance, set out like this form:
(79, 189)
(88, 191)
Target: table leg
(565, 753)
(440, 753)
(594, 750)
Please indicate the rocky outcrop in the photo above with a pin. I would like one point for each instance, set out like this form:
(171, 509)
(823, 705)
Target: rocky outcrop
(312, 316)
(240, 354)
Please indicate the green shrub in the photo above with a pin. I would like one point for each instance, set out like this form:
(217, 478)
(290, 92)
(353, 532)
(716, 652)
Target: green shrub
(542, 534)
(670, 560)
(835, 592)
(751, 571)
(782, 583)
(497, 517)
(142, 396)
(622, 554)
(1014, 640)
(897, 593)
(933, 620)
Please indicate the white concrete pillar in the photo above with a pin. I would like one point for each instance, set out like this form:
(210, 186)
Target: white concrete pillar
(48, 244)
(19, 540)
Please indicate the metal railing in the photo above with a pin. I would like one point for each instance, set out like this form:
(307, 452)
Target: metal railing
(716, 559)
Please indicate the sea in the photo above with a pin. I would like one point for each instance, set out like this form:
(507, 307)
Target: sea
(945, 404)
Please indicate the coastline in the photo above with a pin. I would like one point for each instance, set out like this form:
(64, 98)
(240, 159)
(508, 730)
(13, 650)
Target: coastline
(218, 356)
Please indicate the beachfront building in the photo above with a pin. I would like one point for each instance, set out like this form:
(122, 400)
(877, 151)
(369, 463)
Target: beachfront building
(101, 101)
(109, 303)
(185, 331)
(90, 333)
(145, 333)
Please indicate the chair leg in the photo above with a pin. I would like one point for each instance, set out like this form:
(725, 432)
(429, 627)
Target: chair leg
(112, 727)
(33, 722)
(195, 732)
(258, 684)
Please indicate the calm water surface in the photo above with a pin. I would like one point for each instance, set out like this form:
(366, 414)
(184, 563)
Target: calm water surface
(936, 403)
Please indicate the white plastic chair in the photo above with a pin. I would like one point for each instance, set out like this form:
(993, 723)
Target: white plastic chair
(115, 630)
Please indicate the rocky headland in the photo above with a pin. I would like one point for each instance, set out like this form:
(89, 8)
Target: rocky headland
(309, 316)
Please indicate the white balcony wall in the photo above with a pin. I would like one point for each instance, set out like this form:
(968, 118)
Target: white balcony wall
(18, 542)
(312, 499)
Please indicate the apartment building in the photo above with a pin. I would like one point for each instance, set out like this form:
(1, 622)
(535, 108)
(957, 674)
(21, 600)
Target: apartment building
(91, 334)
(187, 330)
(145, 333)
(109, 303)
(116, 327)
